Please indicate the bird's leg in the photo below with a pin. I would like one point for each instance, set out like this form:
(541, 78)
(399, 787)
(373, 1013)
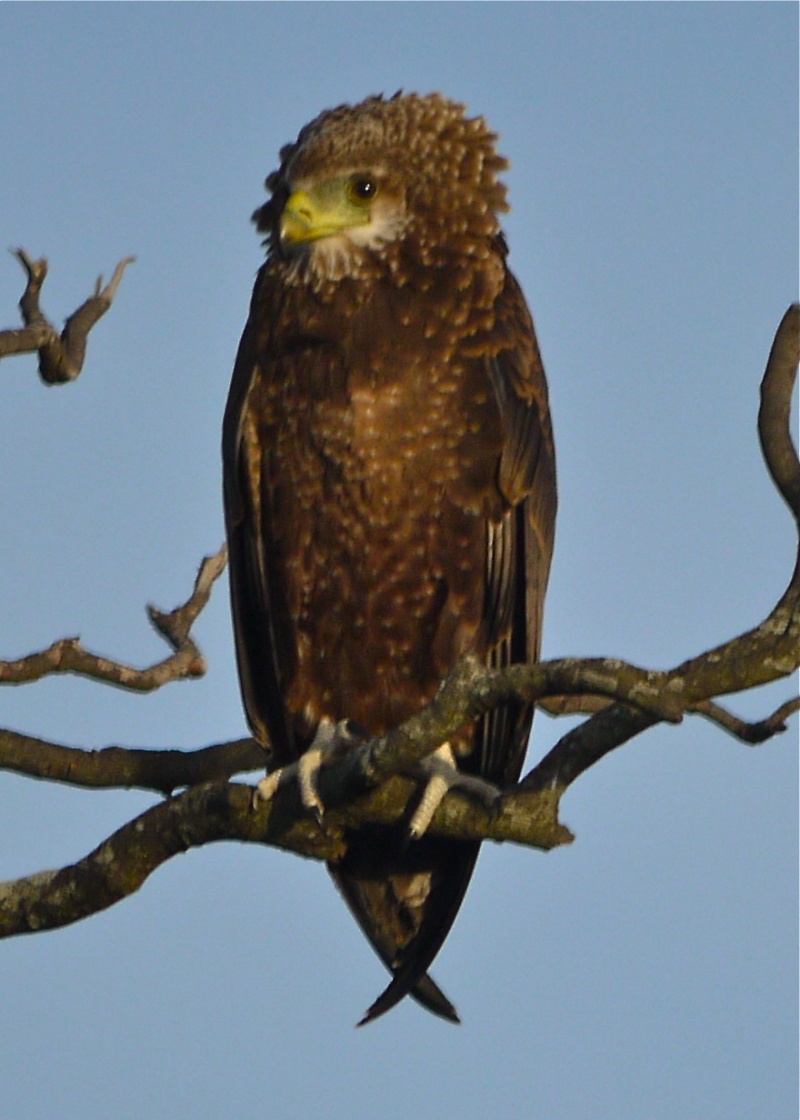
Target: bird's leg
(328, 739)
(268, 786)
(308, 766)
(443, 775)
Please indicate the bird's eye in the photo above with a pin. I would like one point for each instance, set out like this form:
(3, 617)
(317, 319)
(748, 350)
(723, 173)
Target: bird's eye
(363, 188)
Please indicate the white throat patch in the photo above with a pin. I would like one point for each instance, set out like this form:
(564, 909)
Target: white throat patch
(346, 254)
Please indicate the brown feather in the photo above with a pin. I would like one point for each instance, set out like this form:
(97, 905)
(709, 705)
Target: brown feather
(390, 483)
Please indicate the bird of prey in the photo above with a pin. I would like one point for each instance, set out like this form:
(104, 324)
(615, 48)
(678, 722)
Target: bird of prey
(389, 481)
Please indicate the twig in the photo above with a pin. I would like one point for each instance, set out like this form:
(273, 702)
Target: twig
(61, 356)
(752, 733)
(68, 655)
(174, 626)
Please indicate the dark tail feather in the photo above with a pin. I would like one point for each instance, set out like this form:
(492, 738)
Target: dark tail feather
(406, 902)
(426, 992)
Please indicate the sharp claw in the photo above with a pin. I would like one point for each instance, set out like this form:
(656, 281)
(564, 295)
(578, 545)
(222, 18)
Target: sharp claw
(321, 823)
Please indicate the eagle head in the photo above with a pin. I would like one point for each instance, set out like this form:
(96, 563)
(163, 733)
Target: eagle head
(385, 186)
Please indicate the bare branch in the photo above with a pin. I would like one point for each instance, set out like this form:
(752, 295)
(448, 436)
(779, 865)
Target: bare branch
(61, 356)
(68, 655)
(774, 425)
(223, 811)
(469, 691)
(162, 771)
(174, 626)
(752, 733)
(118, 866)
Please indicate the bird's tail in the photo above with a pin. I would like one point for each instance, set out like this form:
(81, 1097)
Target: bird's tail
(406, 904)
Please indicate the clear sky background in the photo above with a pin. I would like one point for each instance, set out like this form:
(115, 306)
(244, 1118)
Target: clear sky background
(647, 972)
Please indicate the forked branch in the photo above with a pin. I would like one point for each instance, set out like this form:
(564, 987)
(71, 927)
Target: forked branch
(61, 356)
(67, 655)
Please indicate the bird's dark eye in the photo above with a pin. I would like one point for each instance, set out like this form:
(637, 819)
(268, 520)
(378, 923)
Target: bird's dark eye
(363, 188)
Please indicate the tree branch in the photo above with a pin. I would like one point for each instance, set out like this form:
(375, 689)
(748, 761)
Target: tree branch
(61, 356)
(368, 786)
(751, 733)
(774, 415)
(67, 655)
(223, 811)
(160, 771)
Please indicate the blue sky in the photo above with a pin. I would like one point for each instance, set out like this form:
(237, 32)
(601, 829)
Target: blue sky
(647, 972)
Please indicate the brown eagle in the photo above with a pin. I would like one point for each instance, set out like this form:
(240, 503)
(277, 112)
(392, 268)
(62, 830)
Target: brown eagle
(390, 491)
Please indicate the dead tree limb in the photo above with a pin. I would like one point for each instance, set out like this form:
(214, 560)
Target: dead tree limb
(67, 655)
(114, 767)
(752, 733)
(61, 356)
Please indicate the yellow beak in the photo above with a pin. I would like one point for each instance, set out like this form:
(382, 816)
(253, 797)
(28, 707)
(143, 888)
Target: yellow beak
(326, 212)
(300, 221)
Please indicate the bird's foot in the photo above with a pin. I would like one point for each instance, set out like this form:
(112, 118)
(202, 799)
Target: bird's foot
(329, 738)
(268, 787)
(442, 775)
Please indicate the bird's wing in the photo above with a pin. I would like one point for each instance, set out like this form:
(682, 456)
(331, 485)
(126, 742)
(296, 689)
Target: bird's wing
(519, 546)
(260, 618)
